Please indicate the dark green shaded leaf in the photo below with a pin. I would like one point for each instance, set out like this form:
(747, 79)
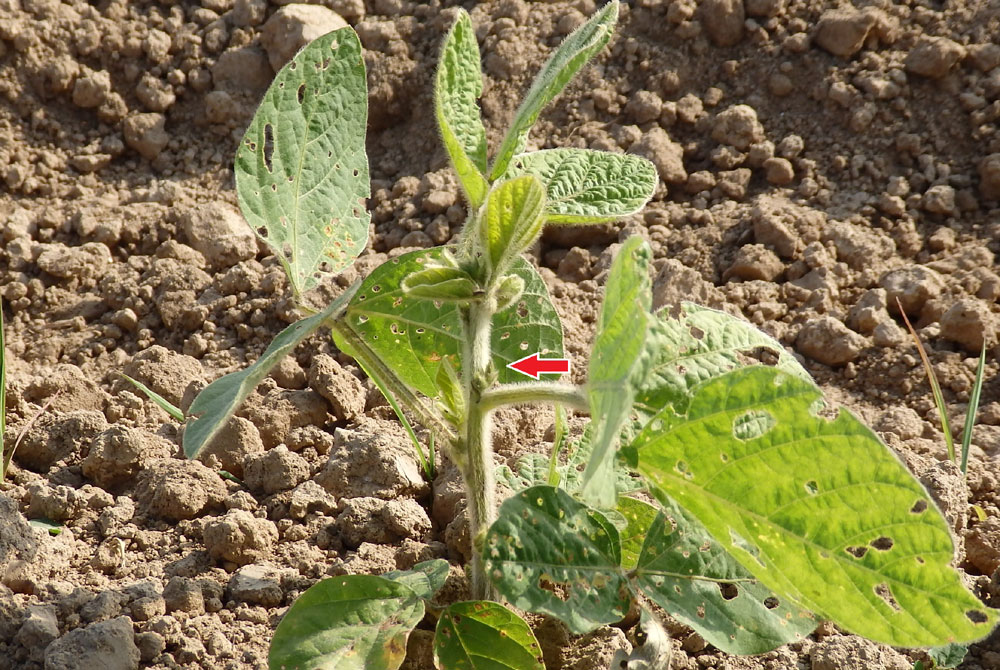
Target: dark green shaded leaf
(549, 553)
(483, 635)
(687, 573)
(354, 622)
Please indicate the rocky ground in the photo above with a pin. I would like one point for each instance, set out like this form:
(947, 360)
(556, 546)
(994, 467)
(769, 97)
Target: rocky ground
(819, 162)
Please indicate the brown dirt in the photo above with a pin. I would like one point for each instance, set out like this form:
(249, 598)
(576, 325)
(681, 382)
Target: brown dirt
(816, 166)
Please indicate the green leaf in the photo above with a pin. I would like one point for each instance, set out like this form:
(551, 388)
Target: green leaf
(440, 283)
(48, 525)
(509, 290)
(564, 62)
(639, 516)
(585, 186)
(413, 335)
(483, 635)
(301, 169)
(550, 554)
(424, 579)
(948, 656)
(816, 507)
(701, 343)
(531, 470)
(355, 622)
(513, 220)
(616, 361)
(687, 573)
(173, 410)
(450, 391)
(970, 412)
(458, 86)
(218, 401)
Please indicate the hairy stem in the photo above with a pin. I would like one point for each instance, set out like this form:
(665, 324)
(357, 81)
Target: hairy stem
(477, 452)
(536, 393)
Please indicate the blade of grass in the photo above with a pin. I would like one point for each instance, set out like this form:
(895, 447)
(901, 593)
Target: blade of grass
(173, 410)
(427, 465)
(970, 415)
(9, 456)
(935, 387)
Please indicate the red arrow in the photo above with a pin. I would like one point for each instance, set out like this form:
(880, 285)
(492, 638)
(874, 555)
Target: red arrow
(533, 366)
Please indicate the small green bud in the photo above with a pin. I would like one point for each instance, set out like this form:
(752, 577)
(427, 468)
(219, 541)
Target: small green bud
(509, 291)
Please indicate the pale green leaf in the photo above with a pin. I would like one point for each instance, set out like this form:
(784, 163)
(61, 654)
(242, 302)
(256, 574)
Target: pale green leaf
(354, 622)
(413, 335)
(639, 516)
(585, 186)
(701, 343)
(440, 283)
(425, 579)
(617, 359)
(301, 169)
(550, 554)
(565, 61)
(513, 220)
(483, 635)
(173, 410)
(458, 86)
(814, 506)
(218, 401)
(687, 573)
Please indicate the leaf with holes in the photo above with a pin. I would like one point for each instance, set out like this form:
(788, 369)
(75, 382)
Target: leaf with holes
(301, 169)
(483, 635)
(550, 554)
(581, 45)
(585, 186)
(814, 505)
(354, 622)
(701, 343)
(687, 573)
(413, 335)
(218, 401)
(639, 516)
(617, 359)
(424, 579)
(458, 86)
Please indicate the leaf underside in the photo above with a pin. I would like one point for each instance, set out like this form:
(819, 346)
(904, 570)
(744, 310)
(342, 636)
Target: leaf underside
(458, 86)
(354, 622)
(586, 186)
(548, 553)
(413, 335)
(616, 360)
(816, 507)
(424, 579)
(579, 47)
(687, 573)
(483, 635)
(301, 169)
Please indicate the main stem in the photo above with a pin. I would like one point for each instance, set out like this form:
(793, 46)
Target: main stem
(477, 465)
